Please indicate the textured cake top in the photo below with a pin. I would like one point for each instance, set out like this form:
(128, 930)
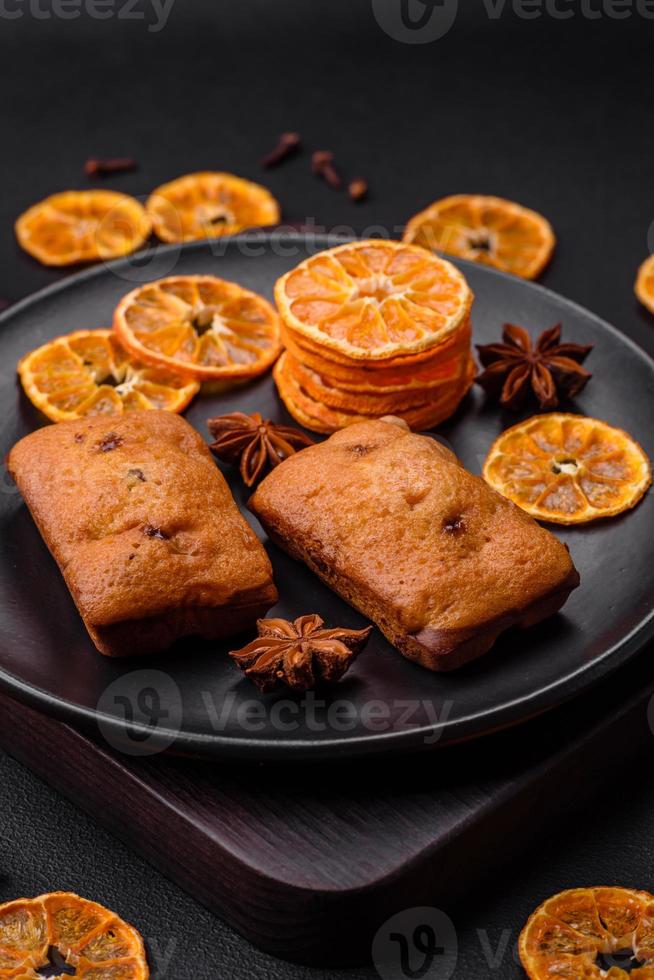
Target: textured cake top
(385, 508)
(138, 517)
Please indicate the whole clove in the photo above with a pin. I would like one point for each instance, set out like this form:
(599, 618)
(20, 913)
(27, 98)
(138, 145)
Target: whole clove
(358, 189)
(322, 165)
(96, 167)
(288, 144)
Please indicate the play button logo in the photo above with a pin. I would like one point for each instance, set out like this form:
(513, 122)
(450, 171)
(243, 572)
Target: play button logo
(415, 21)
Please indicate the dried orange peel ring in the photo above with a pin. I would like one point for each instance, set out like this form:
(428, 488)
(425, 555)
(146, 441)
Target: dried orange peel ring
(576, 933)
(568, 469)
(88, 373)
(378, 403)
(208, 328)
(88, 936)
(489, 230)
(209, 205)
(82, 226)
(373, 300)
(458, 340)
(336, 397)
(645, 284)
(319, 417)
(443, 365)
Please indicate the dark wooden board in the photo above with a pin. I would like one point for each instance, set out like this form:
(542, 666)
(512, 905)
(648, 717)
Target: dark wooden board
(309, 862)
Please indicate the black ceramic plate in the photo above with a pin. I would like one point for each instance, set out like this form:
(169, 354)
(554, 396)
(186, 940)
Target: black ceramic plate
(193, 699)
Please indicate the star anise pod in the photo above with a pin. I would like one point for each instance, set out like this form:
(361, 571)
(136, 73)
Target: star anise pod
(548, 367)
(299, 654)
(256, 444)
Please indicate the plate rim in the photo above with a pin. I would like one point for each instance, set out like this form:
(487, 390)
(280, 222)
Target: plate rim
(240, 748)
(291, 234)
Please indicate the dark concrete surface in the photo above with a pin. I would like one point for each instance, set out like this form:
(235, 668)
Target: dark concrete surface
(554, 113)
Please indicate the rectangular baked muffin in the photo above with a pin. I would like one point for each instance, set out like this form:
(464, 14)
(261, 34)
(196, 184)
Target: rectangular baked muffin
(144, 529)
(396, 526)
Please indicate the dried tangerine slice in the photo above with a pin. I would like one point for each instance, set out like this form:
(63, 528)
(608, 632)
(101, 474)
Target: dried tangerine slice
(484, 229)
(88, 373)
(86, 935)
(377, 403)
(209, 205)
(121, 970)
(206, 327)
(319, 417)
(413, 371)
(82, 226)
(365, 379)
(23, 936)
(576, 933)
(335, 397)
(645, 284)
(568, 469)
(374, 300)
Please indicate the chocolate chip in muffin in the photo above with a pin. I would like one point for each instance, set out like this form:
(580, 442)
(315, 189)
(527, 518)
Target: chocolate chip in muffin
(454, 525)
(134, 477)
(111, 441)
(151, 531)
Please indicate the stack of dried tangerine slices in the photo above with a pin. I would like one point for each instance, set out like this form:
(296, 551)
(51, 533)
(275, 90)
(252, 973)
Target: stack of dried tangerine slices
(373, 328)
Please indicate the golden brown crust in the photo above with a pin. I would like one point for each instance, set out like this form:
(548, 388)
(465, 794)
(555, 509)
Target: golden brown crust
(144, 529)
(394, 524)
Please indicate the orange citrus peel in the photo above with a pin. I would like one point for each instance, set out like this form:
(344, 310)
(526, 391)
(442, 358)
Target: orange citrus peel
(82, 226)
(205, 327)
(645, 284)
(568, 933)
(88, 936)
(209, 205)
(489, 230)
(568, 469)
(373, 300)
(88, 373)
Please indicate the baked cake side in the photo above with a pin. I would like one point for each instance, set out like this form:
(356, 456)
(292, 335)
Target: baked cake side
(395, 524)
(144, 529)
